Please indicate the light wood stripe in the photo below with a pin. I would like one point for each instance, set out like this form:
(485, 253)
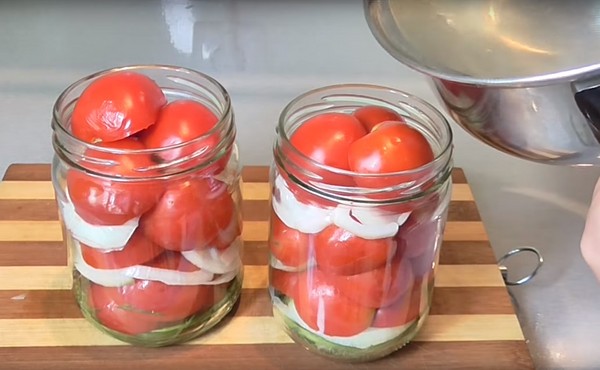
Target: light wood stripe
(27, 231)
(470, 328)
(253, 231)
(19, 190)
(35, 278)
(255, 277)
(23, 190)
(468, 276)
(247, 330)
(256, 191)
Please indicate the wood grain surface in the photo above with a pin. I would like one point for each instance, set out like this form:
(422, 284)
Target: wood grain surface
(472, 324)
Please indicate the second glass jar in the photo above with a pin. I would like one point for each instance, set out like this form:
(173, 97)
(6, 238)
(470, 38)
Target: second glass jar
(352, 267)
(154, 232)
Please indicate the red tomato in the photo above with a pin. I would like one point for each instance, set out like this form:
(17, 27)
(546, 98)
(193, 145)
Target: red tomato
(339, 251)
(180, 122)
(170, 302)
(461, 95)
(379, 287)
(288, 245)
(284, 281)
(116, 106)
(391, 147)
(326, 139)
(120, 318)
(101, 201)
(418, 234)
(404, 310)
(322, 307)
(190, 214)
(372, 115)
(220, 292)
(137, 251)
(227, 235)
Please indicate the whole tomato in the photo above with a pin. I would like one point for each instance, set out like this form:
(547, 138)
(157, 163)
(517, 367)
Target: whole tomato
(102, 201)
(190, 214)
(227, 236)
(324, 308)
(338, 251)
(288, 245)
(171, 302)
(379, 287)
(285, 282)
(116, 106)
(137, 251)
(183, 121)
(402, 311)
(390, 147)
(326, 139)
(121, 318)
(371, 116)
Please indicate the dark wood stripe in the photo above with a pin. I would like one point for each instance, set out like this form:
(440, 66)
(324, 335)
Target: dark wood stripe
(41, 172)
(255, 173)
(256, 210)
(458, 176)
(38, 304)
(27, 172)
(254, 302)
(33, 254)
(255, 253)
(28, 210)
(471, 301)
(52, 304)
(253, 210)
(466, 253)
(463, 211)
(418, 355)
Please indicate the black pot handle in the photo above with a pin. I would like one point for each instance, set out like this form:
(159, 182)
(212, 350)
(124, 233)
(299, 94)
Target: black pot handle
(588, 101)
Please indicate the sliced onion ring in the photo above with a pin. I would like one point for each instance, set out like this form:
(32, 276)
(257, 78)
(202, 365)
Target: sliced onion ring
(277, 264)
(125, 276)
(107, 238)
(107, 278)
(366, 223)
(216, 261)
(296, 215)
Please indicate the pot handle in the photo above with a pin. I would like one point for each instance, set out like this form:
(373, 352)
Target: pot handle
(588, 101)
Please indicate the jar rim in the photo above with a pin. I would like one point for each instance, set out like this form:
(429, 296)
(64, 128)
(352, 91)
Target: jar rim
(60, 101)
(439, 117)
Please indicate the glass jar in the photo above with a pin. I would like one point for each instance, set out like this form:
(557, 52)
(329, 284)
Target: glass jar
(154, 233)
(352, 267)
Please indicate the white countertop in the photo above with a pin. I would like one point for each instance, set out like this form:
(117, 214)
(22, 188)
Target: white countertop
(267, 52)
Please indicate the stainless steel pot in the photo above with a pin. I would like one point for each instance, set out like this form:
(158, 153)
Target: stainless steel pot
(520, 75)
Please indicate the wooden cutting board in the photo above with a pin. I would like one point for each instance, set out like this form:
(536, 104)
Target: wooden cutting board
(472, 324)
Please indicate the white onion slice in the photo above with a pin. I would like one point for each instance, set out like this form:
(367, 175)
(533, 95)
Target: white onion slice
(368, 223)
(125, 276)
(277, 264)
(107, 278)
(103, 237)
(225, 278)
(170, 277)
(214, 260)
(296, 215)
